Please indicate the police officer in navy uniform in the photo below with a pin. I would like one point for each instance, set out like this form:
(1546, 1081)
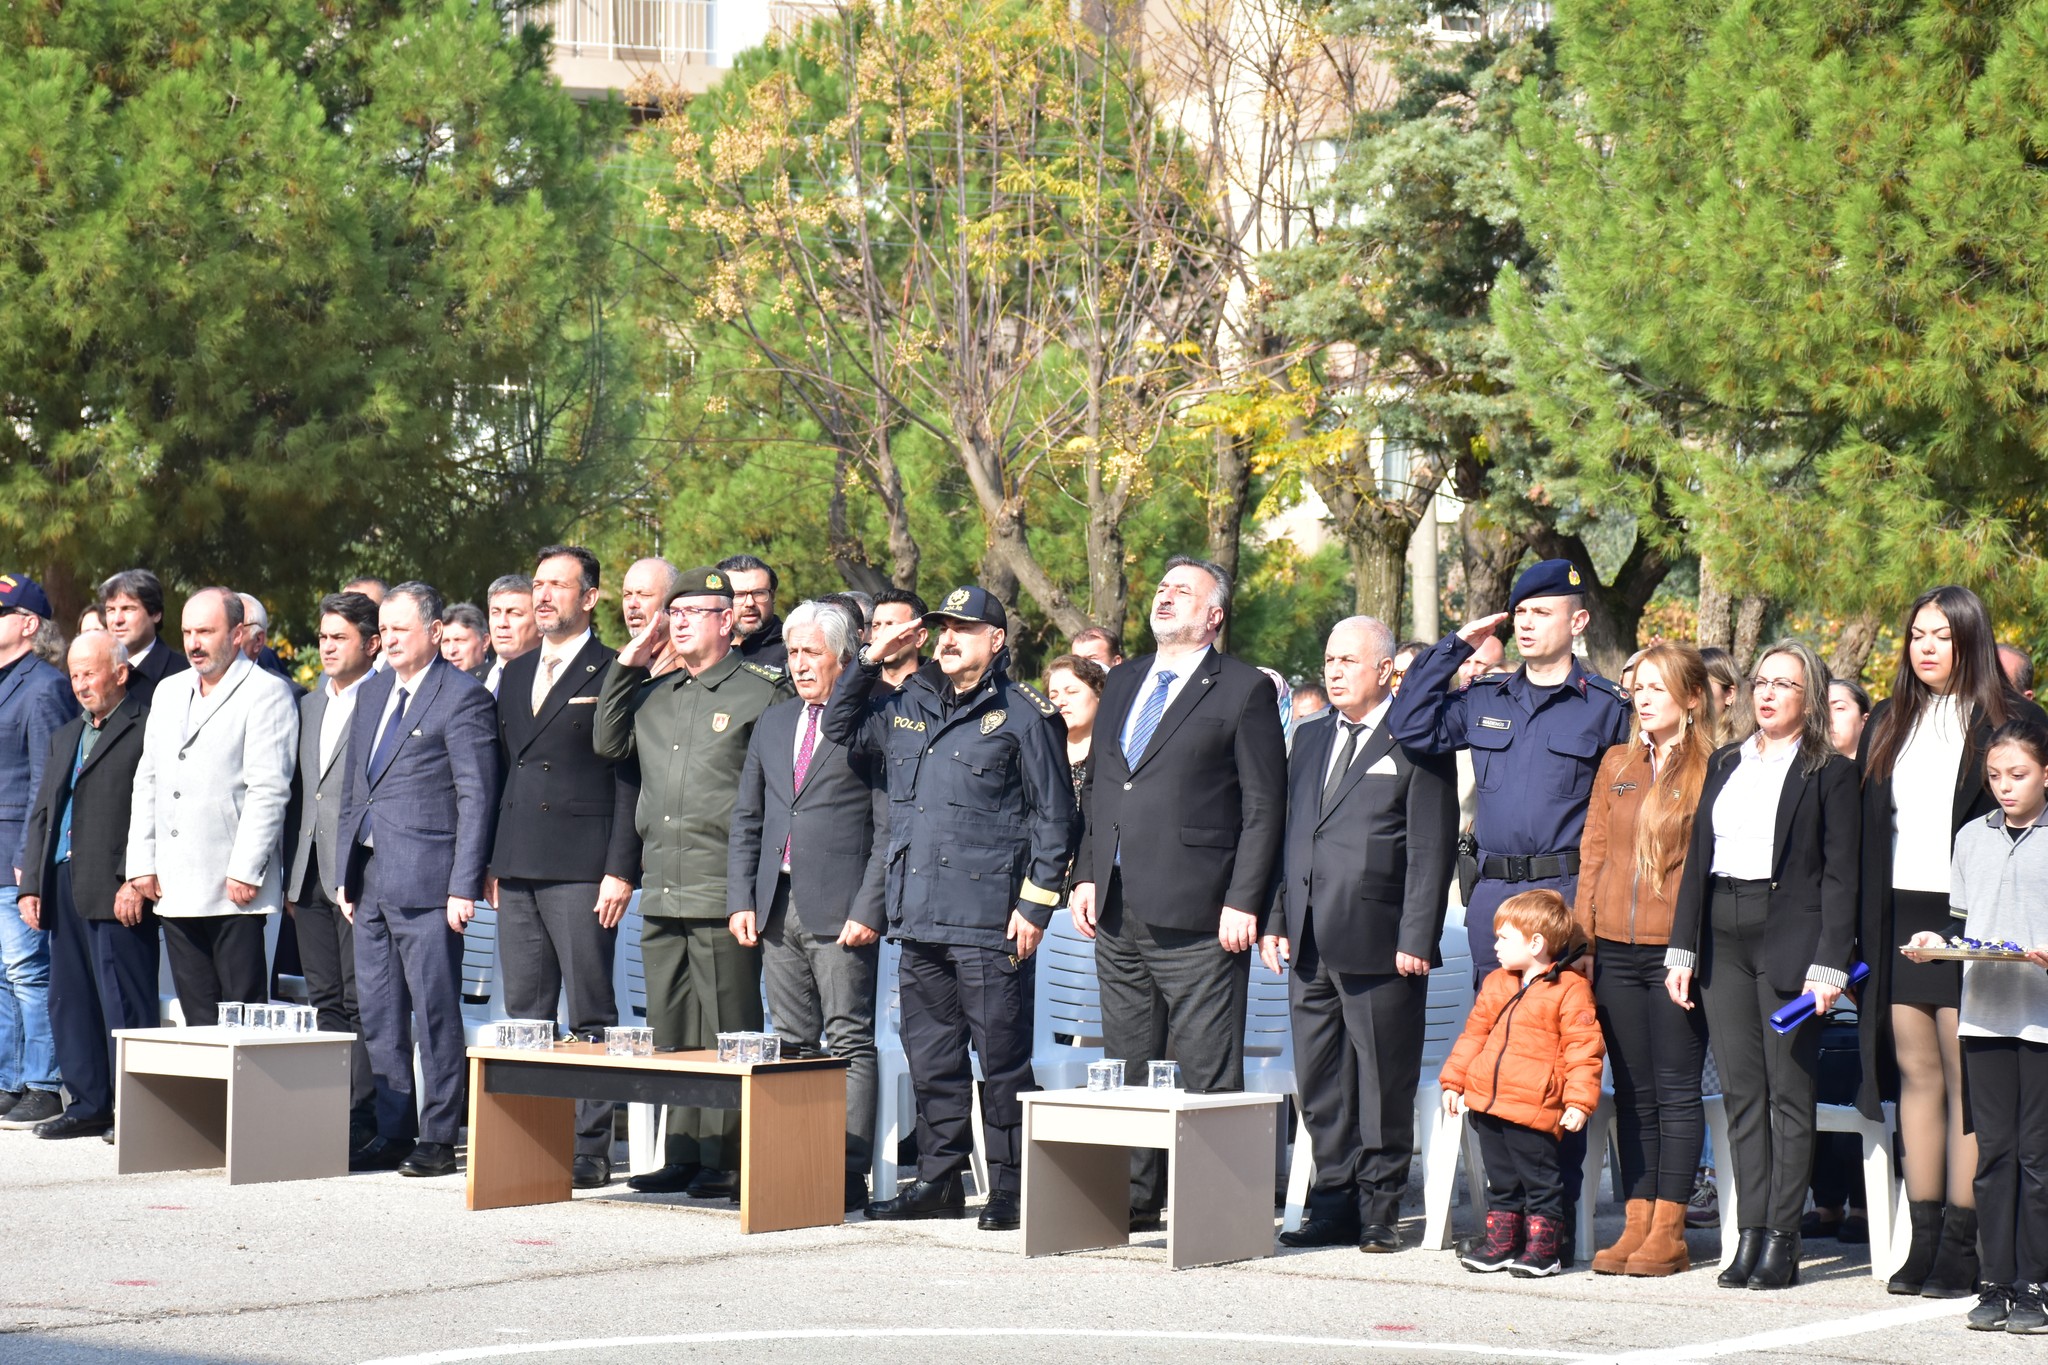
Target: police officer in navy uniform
(981, 830)
(1536, 736)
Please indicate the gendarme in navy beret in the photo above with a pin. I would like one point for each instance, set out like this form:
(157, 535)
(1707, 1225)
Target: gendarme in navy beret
(702, 583)
(1548, 578)
(968, 604)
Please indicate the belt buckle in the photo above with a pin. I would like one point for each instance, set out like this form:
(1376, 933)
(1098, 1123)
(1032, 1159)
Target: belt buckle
(1518, 867)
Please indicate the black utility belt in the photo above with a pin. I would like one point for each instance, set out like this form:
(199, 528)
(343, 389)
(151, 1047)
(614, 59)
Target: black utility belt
(1534, 867)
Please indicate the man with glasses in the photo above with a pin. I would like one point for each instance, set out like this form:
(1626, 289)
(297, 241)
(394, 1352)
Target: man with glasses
(981, 825)
(1536, 735)
(689, 730)
(756, 629)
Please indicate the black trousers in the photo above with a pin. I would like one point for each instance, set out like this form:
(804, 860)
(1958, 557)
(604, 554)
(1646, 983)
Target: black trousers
(1522, 1171)
(215, 958)
(1656, 1051)
(1168, 994)
(102, 977)
(549, 938)
(327, 959)
(1767, 1078)
(952, 995)
(2008, 1086)
(409, 973)
(1357, 1061)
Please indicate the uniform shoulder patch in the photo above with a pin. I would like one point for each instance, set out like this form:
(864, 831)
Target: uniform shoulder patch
(1612, 689)
(1031, 694)
(768, 671)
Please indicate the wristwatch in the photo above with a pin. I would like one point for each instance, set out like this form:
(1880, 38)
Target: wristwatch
(867, 656)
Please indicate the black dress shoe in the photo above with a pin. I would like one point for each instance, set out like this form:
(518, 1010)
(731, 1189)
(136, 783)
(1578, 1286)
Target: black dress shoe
(922, 1199)
(72, 1124)
(1778, 1267)
(999, 1214)
(429, 1159)
(673, 1178)
(108, 1137)
(380, 1154)
(1316, 1232)
(856, 1191)
(591, 1172)
(1749, 1247)
(1147, 1220)
(712, 1183)
(1379, 1239)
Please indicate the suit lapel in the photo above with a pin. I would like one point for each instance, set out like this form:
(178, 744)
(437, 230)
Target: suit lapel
(820, 751)
(1377, 746)
(205, 706)
(117, 725)
(1969, 777)
(423, 698)
(575, 673)
(15, 678)
(1192, 692)
(1788, 803)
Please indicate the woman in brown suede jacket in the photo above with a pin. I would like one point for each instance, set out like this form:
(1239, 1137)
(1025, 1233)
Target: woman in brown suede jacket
(1638, 826)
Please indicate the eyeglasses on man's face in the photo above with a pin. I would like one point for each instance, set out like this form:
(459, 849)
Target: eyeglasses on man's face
(679, 613)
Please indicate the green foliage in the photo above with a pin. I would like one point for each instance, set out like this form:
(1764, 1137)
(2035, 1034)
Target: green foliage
(1803, 258)
(292, 289)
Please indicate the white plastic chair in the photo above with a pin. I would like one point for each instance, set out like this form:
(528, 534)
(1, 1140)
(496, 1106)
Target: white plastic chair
(1881, 1190)
(1450, 1000)
(1453, 1136)
(1068, 1006)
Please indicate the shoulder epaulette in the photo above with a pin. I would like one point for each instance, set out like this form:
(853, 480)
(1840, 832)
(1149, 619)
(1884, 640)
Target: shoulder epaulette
(1612, 689)
(768, 671)
(1031, 694)
(1487, 680)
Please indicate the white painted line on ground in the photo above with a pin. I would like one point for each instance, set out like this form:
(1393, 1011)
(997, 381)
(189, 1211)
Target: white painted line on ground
(903, 1333)
(1807, 1334)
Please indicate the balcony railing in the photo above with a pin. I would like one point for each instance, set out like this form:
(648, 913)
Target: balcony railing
(649, 31)
(789, 16)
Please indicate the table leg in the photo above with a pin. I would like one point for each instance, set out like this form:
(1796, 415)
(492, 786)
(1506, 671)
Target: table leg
(521, 1147)
(287, 1113)
(1220, 1186)
(792, 1150)
(1076, 1196)
(168, 1123)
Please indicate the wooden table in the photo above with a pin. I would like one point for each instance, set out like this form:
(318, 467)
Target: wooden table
(267, 1106)
(1220, 1169)
(522, 1124)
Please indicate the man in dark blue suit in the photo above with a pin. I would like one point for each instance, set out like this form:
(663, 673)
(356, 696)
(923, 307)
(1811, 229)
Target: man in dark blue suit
(417, 821)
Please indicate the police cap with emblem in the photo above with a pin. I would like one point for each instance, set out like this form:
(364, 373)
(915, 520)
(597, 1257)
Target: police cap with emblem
(1549, 578)
(705, 582)
(18, 593)
(968, 604)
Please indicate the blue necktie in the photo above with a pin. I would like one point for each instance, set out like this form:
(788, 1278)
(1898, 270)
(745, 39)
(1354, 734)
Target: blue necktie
(1148, 720)
(387, 743)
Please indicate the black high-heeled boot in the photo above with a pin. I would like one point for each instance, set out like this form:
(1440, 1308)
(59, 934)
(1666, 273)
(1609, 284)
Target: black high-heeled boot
(1926, 1218)
(1955, 1262)
(1779, 1265)
(1749, 1247)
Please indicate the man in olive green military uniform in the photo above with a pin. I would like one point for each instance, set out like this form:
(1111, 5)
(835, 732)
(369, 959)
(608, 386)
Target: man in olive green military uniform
(689, 731)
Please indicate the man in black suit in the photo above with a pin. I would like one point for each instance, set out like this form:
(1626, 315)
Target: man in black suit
(327, 941)
(1186, 807)
(1365, 876)
(132, 607)
(103, 935)
(567, 856)
(806, 873)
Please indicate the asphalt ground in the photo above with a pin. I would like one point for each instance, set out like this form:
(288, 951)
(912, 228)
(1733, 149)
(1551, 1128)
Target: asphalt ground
(180, 1267)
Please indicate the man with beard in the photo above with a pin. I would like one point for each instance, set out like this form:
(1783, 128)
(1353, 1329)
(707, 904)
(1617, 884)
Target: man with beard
(756, 630)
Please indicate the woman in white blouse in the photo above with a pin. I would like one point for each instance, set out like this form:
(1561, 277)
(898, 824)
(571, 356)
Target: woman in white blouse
(1923, 779)
(1766, 911)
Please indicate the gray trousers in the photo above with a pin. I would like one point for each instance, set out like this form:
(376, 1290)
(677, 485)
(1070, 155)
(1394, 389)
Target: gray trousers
(818, 990)
(549, 938)
(1168, 994)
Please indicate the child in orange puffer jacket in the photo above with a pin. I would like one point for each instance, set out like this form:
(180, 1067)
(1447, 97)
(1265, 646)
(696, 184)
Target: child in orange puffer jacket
(1526, 1069)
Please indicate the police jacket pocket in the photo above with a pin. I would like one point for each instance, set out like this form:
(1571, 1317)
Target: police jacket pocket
(1578, 755)
(979, 781)
(971, 863)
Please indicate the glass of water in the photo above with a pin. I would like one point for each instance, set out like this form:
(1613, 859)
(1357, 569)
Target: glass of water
(231, 1014)
(1105, 1075)
(1163, 1075)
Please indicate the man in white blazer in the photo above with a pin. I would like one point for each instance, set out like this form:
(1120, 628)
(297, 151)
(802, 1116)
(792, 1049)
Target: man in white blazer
(206, 832)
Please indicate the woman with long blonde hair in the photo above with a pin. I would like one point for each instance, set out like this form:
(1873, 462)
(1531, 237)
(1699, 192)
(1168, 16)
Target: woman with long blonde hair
(1638, 827)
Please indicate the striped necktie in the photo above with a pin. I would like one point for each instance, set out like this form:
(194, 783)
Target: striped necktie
(1148, 719)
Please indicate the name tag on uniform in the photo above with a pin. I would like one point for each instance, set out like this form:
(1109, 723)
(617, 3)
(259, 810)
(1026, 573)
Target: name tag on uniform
(1495, 723)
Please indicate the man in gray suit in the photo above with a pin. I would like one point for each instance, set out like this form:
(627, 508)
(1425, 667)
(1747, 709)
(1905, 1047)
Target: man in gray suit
(206, 832)
(414, 838)
(805, 879)
(327, 941)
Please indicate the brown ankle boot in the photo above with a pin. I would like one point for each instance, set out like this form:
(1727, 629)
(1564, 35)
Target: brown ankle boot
(1663, 1251)
(1614, 1260)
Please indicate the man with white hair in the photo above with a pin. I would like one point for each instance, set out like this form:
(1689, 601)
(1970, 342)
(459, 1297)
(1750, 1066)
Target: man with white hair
(206, 832)
(1364, 879)
(255, 642)
(805, 880)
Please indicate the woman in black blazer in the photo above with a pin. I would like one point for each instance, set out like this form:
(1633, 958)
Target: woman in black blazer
(1767, 911)
(1923, 780)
